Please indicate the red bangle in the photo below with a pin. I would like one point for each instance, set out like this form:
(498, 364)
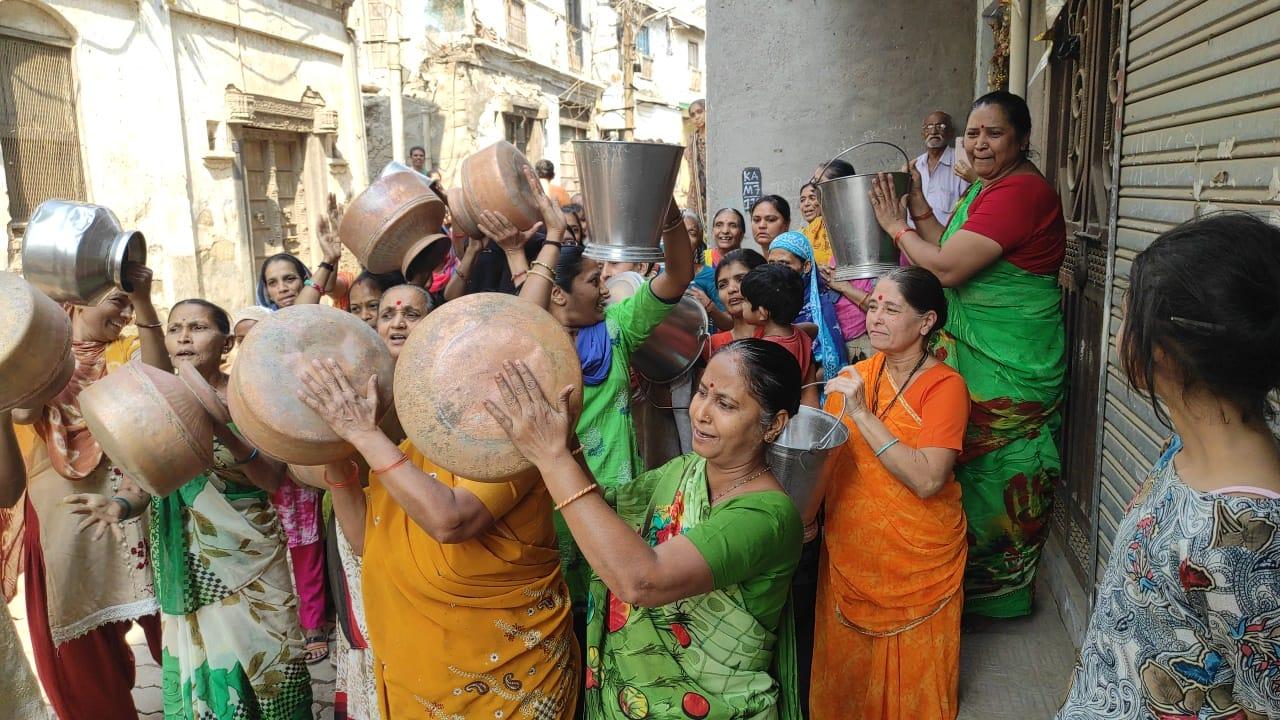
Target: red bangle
(346, 482)
(897, 237)
(383, 471)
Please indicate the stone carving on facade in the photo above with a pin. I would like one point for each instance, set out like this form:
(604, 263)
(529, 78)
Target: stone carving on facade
(306, 115)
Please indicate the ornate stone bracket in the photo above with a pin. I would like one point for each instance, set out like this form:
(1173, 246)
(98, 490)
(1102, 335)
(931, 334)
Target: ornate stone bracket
(307, 115)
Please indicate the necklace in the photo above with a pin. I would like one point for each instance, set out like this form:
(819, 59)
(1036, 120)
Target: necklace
(740, 483)
(875, 388)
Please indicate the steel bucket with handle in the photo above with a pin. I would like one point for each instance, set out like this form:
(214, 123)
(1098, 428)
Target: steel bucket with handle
(800, 454)
(862, 249)
(627, 188)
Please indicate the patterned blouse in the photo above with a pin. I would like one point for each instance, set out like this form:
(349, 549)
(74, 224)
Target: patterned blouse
(1187, 622)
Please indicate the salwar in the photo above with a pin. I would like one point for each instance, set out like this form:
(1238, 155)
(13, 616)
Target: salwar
(309, 578)
(102, 654)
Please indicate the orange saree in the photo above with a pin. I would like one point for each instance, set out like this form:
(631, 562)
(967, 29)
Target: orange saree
(887, 631)
(476, 629)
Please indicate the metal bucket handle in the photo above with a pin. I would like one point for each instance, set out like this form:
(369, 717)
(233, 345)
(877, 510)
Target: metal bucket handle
(855, 147)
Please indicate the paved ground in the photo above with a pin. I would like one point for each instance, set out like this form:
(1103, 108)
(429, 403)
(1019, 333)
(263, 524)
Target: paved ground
(1010, 670)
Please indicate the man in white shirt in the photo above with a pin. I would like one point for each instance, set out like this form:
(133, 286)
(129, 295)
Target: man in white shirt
(942, 187)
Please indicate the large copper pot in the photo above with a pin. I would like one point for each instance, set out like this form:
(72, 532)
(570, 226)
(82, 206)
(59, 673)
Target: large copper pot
(150, 425)
(35, 345)
(263, 391)
(493, 179)
(391, 215)
(446, 372)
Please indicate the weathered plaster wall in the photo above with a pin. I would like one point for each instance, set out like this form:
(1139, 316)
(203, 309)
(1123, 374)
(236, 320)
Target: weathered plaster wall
(150, 79)
(824, 76)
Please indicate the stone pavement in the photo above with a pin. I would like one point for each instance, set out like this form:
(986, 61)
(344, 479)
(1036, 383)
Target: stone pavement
(1009, 669)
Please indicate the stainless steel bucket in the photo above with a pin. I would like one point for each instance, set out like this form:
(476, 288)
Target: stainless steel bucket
(76, 252)
(862, 248)
(800, 453)
(627, 188)
(675, 344)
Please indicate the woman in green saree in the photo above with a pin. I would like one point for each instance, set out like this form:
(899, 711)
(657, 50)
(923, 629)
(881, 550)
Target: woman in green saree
(690, 575)
(232, 644)
(998, 257)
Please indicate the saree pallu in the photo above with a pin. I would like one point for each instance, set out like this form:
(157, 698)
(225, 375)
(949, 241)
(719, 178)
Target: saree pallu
(475, 629)
(1005, 335)
(887, 639)
(232, 645)
(706, 656)
(355, 692)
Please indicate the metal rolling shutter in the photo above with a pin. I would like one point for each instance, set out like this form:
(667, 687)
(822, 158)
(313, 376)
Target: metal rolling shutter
(1201, 132)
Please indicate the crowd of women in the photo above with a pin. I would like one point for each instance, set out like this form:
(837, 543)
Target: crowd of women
(634, 579)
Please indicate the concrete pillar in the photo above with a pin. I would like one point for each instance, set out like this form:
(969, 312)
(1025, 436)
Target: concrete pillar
(825, 76)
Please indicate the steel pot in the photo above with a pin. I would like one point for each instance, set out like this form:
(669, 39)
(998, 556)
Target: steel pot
(35, 345)
(861, 247)
(799, 456)
(76, 252)
(388, 217)
(675, 344)
(493, 179)
(627, 189)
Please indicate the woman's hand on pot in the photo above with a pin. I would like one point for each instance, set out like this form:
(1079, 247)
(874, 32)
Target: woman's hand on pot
(701, 297)
(552, 216)
(139, 277)
(890, 208)
(327, 390)
(100, 512)
(964, 170)
(849, 384)
(500, 230)
(538, 429)
(828, 275)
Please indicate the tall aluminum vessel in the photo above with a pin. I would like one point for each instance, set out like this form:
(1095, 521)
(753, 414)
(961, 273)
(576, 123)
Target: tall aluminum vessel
(861, 247)
(75, 252)
(627, 188)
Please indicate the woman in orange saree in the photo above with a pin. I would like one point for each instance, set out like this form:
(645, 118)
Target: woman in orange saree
(887, 630)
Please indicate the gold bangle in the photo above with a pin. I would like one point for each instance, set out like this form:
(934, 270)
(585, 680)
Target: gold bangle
(537, 263)
(148, 326)
(576, 496)
(542, 274)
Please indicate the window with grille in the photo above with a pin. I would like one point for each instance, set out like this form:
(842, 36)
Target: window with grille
(517, 31)
(642, 40)
(575, 47)
(38, 134)
(518, 128)
(694, 57)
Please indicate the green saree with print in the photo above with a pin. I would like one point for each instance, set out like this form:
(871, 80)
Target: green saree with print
(706, 656)
(232, 644)
(1005, 335)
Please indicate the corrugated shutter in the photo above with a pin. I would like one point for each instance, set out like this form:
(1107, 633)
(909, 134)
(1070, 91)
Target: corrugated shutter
(1201, 132)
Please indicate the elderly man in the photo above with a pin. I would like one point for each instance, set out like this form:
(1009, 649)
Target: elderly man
(941, 185)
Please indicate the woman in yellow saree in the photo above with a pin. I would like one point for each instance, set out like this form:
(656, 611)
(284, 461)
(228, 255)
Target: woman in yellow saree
(467, 610)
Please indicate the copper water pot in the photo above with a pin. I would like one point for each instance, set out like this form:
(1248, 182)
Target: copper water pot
(493, 179)
(263, 390)
(391, 215)
(446, 372)
(150, 425)
(35, 345)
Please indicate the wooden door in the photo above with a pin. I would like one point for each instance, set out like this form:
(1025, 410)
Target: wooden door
(273, 164)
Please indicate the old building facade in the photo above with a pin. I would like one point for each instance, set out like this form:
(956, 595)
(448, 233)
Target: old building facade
(537, 74)
(216, 127)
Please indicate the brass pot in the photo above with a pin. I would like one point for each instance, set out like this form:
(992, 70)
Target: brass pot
(390, 216)
(493, 179)
(150, 425)
(35, 345)
(263, 391)
(446, 372)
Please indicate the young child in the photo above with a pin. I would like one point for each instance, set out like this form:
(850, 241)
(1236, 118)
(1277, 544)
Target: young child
(729, 273)
(774, 295)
